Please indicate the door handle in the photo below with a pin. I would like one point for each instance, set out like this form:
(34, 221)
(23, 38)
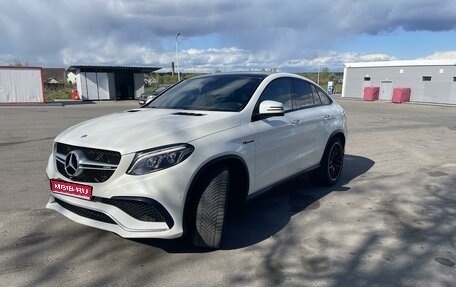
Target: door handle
(327, 117)
(295, 122)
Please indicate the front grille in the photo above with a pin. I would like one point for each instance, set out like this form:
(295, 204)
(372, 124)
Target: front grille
(84, 212)
(95, 155)
(137, 209)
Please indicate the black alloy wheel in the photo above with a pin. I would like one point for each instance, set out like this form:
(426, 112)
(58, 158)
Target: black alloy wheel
(330, 169)
(335, 161)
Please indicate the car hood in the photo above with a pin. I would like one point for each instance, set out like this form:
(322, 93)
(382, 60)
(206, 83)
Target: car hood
(140, 129)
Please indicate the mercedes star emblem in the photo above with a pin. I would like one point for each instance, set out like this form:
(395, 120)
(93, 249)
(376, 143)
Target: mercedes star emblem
(72, 162)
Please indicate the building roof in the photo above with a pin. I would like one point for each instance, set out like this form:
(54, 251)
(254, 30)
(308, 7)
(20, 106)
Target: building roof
(105, 69)
(403, 63)
(20, 67)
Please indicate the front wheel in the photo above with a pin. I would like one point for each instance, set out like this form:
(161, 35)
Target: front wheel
(209, 208)
(331, 164)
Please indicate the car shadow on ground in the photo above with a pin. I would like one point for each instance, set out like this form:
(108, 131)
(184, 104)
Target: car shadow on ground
(267, 214)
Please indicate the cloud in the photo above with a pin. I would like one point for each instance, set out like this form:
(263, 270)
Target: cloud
(233, 59)
(215, 34)
(442, 55)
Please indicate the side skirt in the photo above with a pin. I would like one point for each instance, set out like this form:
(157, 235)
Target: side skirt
(268, 188)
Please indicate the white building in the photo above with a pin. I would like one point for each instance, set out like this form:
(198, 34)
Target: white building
(71, 78)
(431, 81)
(21, 85)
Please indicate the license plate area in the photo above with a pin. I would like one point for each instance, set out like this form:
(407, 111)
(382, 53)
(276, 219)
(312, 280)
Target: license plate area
(71, 189)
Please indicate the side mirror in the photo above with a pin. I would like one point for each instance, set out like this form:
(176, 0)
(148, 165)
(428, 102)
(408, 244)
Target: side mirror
(271, 109)
(146, 103)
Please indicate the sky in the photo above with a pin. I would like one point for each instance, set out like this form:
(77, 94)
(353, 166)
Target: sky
(225, 35)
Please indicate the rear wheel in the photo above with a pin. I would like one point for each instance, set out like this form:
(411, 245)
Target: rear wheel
(209, 208)
(331, 164)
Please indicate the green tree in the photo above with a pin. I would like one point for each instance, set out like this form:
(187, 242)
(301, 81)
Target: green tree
(19, 63)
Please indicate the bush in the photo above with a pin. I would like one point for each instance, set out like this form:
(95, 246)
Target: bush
(57, 95)
(58, 92)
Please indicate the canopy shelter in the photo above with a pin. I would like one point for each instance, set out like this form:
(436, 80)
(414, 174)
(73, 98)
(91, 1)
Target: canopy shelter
(110, 82)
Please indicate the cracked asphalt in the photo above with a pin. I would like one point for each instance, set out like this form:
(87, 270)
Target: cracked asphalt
(390, 221)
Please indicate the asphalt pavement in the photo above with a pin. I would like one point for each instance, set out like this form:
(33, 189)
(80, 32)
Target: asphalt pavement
(390, 221)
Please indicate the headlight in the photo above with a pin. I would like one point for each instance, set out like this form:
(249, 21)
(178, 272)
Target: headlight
(157, 159)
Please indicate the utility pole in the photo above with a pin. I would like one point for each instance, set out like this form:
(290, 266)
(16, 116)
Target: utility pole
(177, 58)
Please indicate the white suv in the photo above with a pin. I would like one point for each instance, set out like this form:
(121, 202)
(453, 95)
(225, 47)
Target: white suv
(178, 165)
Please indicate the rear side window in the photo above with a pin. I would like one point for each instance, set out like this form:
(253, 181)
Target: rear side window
(323, 97)
(278, 90)
(316, 96)
(302, 94)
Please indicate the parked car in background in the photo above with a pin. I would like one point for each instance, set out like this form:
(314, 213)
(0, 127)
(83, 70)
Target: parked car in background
(198, 151)
(149, 96)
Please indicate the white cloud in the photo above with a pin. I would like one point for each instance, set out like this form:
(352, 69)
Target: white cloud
(442, 55)
(219, 34)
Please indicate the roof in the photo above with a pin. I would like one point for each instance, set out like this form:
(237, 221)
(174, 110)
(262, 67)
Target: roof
(240, 73)
(92, 68)
(53, 81)
(20, 67)
(403, 63)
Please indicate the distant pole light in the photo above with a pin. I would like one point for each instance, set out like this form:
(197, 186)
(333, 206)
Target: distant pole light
(177, 58)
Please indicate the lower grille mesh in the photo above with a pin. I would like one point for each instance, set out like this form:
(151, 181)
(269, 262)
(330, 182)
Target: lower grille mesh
(136, 209)
(84, 212)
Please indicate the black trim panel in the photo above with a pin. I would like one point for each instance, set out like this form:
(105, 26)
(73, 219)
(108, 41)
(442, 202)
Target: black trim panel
(151, 202)
(268, 188)
(85, 212)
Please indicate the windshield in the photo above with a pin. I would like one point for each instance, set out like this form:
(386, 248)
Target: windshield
(212, 93)
(161, 88)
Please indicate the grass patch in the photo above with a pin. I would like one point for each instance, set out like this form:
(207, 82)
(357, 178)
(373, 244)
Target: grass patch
(58, 92)
(57, 95)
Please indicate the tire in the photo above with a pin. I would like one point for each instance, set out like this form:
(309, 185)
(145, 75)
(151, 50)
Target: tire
(331, 164)
(209, 208)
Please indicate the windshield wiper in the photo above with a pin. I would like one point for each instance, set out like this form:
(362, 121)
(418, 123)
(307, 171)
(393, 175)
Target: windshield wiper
(179, 108)
(169, 108)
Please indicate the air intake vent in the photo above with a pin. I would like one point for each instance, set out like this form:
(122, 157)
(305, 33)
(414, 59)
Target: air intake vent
(84, 212)
(189, 114)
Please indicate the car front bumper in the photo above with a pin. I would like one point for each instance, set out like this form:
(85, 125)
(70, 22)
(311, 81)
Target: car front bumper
(162, 187)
